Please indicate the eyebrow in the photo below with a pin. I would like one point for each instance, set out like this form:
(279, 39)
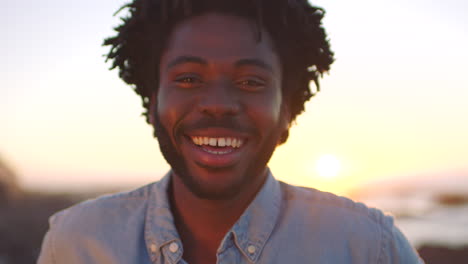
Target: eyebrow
(186, 59)
(254, 62)
(242, 62)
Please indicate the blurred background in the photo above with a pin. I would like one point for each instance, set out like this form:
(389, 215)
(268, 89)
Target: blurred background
(389, 127)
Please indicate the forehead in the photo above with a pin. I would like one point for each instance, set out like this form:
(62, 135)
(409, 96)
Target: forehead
(220, 36)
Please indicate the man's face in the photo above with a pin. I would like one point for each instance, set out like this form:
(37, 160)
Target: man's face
(218, 114)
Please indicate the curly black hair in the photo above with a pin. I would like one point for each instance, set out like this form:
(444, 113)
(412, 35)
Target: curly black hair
(294, 25)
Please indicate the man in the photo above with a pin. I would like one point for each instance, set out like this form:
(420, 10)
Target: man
(222, 81)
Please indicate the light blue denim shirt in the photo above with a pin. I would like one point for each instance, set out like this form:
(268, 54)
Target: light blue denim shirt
(283, 224)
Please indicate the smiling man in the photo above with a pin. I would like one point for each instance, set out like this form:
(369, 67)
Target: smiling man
(221, 82)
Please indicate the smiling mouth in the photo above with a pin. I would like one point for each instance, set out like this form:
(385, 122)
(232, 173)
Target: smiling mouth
(218, 145)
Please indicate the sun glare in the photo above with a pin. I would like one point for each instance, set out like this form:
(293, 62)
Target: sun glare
(328, 166)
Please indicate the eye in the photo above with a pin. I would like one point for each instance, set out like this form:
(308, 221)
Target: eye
(187, 81)
(251, 84)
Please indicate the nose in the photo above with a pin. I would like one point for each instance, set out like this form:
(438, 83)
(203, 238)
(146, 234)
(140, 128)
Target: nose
(218, 100)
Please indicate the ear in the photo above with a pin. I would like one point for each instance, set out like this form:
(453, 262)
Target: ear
(152, 108)
(285, 124)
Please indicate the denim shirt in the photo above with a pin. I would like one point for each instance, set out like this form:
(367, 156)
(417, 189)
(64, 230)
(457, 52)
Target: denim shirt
(283, 224)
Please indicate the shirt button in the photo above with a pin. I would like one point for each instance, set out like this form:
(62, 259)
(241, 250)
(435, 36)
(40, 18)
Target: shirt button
(251, 249)
(173, 247)
(153, 248)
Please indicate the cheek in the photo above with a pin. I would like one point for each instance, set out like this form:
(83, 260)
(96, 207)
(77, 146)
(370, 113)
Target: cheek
(172, 107)
(165, 109)
(266, 111)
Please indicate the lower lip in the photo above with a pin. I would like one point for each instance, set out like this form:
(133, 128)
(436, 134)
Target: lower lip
(206, 157)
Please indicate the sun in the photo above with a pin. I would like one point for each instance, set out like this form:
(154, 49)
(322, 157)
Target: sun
(328, 166)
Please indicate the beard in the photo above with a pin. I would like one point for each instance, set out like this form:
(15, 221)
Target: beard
(254, 169)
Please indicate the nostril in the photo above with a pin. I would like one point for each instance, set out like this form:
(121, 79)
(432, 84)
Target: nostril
(219, 107)
(219, 110)
(219, 98)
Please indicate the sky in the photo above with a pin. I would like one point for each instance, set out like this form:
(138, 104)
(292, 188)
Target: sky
(394, 104)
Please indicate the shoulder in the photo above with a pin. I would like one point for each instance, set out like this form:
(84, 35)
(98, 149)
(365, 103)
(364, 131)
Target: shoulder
(90, 225)
(341, 221)
(324, 204)
(112, 207)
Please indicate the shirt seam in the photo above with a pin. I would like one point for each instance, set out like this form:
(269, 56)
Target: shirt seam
(139, 193)
(103, 200)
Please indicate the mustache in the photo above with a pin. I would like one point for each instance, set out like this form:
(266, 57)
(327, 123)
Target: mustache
(225, 123)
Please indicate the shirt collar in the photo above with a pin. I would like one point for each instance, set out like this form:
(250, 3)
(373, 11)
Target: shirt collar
(250, 232)
(256, 224)
(160, 230)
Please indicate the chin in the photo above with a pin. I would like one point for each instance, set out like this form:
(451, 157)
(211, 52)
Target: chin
(215, 184)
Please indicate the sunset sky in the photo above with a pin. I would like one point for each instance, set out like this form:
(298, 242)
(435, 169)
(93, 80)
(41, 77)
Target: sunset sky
(395, 103)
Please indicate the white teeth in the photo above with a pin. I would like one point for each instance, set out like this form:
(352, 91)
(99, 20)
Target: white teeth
(220, 142)
(213, 142)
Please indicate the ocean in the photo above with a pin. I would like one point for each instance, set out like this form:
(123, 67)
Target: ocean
(430, 213)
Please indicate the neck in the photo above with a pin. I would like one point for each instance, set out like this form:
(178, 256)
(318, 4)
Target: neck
(202, 223)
